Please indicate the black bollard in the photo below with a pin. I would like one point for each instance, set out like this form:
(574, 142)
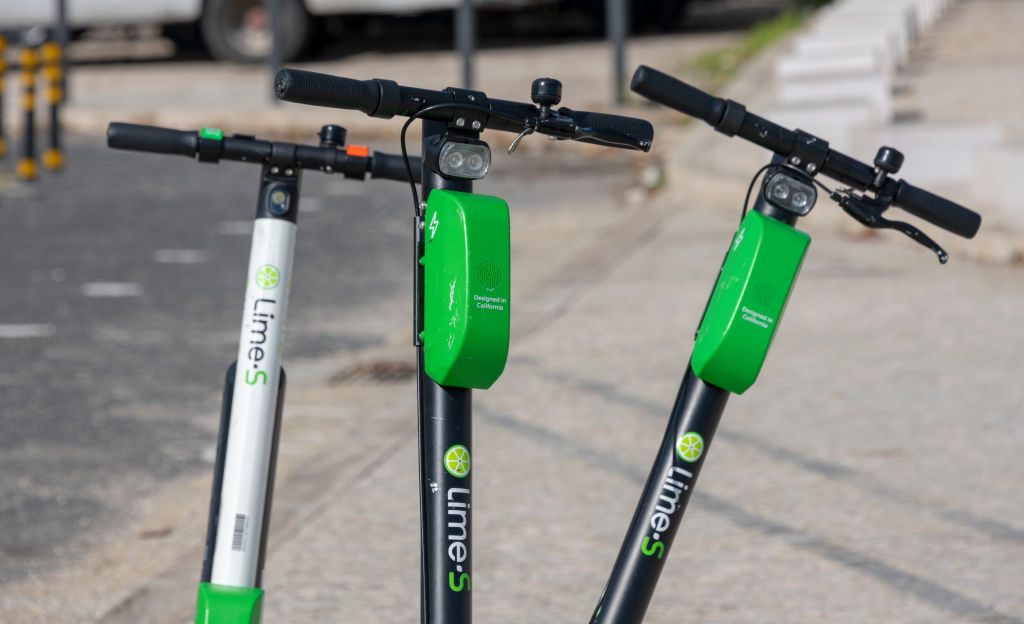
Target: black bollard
(50, 52)
(26, 169)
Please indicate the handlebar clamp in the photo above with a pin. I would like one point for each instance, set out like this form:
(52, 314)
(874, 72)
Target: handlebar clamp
(473, 116)
(390, 99)
(732, 119)
(809, 152)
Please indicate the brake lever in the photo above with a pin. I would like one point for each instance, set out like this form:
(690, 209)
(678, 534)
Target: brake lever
(868, 212)
(515, 143)
(553, 125)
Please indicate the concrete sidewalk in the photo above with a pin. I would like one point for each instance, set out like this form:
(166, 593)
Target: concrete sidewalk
(873, 474)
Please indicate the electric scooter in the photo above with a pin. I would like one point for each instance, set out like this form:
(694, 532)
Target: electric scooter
(461, 309)
(250, 425)
(746, 306)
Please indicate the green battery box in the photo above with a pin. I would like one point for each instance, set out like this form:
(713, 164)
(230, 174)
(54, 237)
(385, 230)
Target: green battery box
(748, 301)
(466, 260)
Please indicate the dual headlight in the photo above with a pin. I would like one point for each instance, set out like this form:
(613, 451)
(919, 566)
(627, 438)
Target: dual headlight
(461, 158)
(787, 192)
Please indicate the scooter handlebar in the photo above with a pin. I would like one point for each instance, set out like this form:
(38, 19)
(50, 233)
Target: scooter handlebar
(386, 98)
(732, 119)
(142, 138)
(938, 210)
(392, 167)
(616, 130)
(250, 149)
(664, 89)
(315, 89)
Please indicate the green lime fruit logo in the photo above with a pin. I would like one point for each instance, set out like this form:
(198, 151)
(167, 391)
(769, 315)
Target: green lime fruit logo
(456, 461)
(267, 276)
(690, 446)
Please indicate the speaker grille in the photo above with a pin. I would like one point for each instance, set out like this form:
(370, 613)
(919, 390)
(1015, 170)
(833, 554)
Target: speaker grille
(489, 274)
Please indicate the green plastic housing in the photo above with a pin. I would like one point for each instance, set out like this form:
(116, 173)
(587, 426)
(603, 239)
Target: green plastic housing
(466, 291)
(224, 604)
(748, 302)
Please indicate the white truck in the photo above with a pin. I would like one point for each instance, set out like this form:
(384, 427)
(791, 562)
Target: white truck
(238, 29)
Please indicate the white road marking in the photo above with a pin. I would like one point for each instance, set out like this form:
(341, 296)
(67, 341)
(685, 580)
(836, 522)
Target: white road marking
(111, 289)
(26, 330)
(235, 228)
(163, 336)
(343, 188)
(180, 256)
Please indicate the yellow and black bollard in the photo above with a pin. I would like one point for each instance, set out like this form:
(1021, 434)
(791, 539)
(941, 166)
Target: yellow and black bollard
(3, 68)
(26, 169)
(50, 52)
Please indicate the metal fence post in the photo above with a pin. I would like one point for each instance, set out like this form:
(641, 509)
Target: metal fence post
(617, 27)
(465, 39)
(3, 68)
(273, 8)
(62, 38)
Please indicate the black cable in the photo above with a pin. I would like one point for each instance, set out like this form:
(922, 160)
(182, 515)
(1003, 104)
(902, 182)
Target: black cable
(750, 188)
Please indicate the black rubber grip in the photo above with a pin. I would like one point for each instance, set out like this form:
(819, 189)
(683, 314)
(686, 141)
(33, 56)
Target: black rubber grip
(392, 167)
(610, 128)
(152, 139)
(674, 93)
(937, 210)
(305, 87)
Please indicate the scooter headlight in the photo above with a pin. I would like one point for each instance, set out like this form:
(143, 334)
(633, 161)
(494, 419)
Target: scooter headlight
(466, 160)
(787, 192)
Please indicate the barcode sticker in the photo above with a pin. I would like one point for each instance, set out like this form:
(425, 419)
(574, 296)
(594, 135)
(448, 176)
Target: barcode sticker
(241, 524)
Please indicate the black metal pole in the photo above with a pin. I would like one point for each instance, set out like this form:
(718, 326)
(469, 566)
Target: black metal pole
(445, 415)
(617, 27)
(63, 36)
(3, 69)
(465, 39)
(694, 418)
(273, 8)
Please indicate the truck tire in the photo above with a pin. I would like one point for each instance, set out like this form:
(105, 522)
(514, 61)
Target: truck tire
(644, 15)
(238, 30)
(656, 15)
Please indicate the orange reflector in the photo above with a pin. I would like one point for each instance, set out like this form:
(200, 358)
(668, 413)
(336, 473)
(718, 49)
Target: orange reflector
(357, 150)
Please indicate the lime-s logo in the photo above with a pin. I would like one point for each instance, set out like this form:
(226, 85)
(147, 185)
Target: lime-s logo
(267, 276)
(690, 446)
(463, 582)
(251, 377)
(456, 460)
(657, 548)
